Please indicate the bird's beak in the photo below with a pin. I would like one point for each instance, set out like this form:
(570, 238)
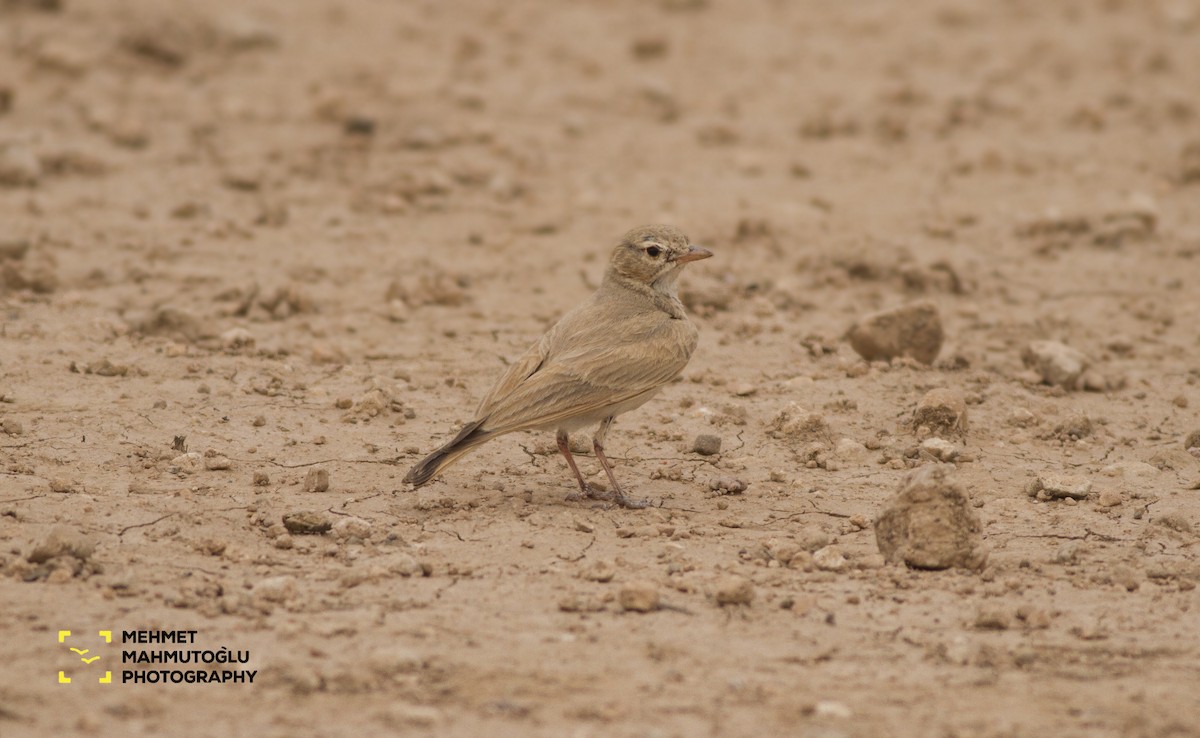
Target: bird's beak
(695, 253)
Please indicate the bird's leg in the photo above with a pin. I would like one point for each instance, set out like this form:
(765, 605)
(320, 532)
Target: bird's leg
(564, 446)
(598, 444)
(586, 489)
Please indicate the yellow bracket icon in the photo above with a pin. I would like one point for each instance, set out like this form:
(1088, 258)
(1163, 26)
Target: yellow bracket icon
(107, 678)
(63, 678)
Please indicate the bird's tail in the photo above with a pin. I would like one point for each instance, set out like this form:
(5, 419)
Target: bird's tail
(468, 438)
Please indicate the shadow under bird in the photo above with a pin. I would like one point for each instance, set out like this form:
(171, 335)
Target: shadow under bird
(608, 356)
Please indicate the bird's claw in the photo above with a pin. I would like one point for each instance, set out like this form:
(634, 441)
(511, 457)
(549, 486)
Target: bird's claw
(617, 497)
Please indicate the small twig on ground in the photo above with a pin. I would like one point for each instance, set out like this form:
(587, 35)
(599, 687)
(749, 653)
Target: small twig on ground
(20, 499)
(128, 528)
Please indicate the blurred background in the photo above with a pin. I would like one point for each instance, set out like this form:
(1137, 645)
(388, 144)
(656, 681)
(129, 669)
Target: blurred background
(241, 239)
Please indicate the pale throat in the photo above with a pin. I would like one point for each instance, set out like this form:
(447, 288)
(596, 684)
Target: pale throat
(665, 283)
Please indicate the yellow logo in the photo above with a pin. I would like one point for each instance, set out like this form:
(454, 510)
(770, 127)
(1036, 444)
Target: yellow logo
(82, 653)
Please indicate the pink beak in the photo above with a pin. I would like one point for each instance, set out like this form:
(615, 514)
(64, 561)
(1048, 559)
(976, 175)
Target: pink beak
(695, 253)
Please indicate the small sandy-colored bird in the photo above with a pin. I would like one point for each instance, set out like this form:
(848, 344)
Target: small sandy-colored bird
(606, 357)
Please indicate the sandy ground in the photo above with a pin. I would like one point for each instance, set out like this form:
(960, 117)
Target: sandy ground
(242, 244)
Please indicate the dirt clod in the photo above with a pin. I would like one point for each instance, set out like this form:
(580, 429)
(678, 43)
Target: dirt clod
(930, 524)
(307, 523)
(316, 480)
(733, 590)
(638, 596)
(707, 444)
(1192, 440)
(941, 449)
(941, 412)
(63, 541)
(312, 234)
(1056, 363)
(728, 486)
(1052, 486)
(913, 330)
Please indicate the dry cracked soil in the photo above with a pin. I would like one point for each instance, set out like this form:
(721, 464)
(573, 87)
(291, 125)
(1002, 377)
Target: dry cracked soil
(256, 258)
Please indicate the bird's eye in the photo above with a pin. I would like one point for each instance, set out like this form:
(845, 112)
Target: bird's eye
(653, 252)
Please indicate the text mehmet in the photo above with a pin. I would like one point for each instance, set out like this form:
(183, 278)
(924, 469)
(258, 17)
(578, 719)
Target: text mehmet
(195, 657)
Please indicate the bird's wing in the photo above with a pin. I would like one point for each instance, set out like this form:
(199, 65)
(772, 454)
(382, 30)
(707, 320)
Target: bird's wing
(517, 372)
(593, 372)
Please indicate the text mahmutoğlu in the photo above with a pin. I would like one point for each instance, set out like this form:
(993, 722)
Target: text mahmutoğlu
(194, 657)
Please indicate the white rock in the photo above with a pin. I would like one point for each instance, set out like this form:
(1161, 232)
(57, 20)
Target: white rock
(187, 463)
(1056, 363)
(829, 559)
(850, 449)
(217, 462)
(1021, 417)
(1059, 486)
(346, 528)
(275, 589)
(940, 449)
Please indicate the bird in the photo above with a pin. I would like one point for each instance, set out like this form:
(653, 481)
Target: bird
(607, 356)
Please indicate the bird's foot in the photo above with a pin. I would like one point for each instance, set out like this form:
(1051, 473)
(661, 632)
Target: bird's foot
(603, 494)
(591, 492)
(630, 504)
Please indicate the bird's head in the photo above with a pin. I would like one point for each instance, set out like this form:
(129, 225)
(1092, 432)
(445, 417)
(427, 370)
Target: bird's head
(654, 255)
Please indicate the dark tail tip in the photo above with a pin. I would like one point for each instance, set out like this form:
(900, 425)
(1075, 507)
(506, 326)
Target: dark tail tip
(425, 469)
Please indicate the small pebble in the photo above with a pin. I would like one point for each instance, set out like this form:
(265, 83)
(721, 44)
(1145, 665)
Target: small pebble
(1060, 486)
(317, 480)
(1021, 417)
(63, 541)
(599, 571)
(728, 486)
(734, 590)
(829, 559)
(942, 411)
(993, 619)
(307, 523)
(216, 462)
(275, 589)
(638, 596)
(236, 339)
(1056, 363)
(707, 444)
(348, 528)
(910, 330)
(940, 449)
(1192, 440)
